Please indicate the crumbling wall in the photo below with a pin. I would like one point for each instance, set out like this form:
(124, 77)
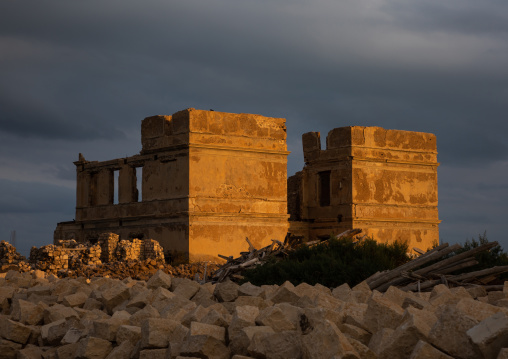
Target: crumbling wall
(69, 254)
(209, 179)
(382, 181)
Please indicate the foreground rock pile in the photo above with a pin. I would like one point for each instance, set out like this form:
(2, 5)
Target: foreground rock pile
(167, 317)
(137, 259)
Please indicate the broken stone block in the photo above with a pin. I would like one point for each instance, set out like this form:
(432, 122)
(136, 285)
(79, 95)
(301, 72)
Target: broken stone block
(239, 340)
(314, 316)
(244, 316)
(214, 331)
(268, 290)
(93, 348)
(379, 339)
(490, 335)
(122, 351)
(58, 312)
(478, 310)
(275, 345)
(424, 350)
(29, 352)
(397, 296)
(226, 291)
(357, 333)
(203, 346)
(128, 333)
(281, 317)
(153, 354)
(286, 293)
(6, 294)
(204, 298)
(495, 296)
(360, 293)
(416, 302)
(72, 336)
(147, 312)
(91, 304)
(449, 333)
(253, 301)
(14, 331)
(476, 292)
(67, 351)
(441, 295)
(194, 315)
(159, 279)
(107, 328)
(382, 313)
(327, 341)
(9, 349)
(415, 326)
(186, 288)
(113, 296)
(342, 292)
(158, 333)
(363, 350)
(27, 312)
(53, 332)
(250, 290)
(75, 300)
(354, 313)
(214, 317)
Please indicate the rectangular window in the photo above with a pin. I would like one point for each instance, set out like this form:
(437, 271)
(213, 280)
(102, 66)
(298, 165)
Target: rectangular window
(139, 184)
(116, 186)
(324, 188)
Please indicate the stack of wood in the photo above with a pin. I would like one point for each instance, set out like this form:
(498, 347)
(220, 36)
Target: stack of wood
(254, 257)
(434, 267)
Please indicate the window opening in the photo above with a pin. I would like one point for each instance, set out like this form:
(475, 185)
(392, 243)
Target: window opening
(324, 188)
(116, 186)
(139, 184)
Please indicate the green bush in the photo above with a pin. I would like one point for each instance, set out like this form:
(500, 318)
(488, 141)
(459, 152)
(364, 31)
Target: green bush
(331, 263)
(486, 259)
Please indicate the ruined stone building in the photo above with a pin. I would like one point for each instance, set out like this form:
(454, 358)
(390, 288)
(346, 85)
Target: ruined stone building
(382, 181)
(209, 179)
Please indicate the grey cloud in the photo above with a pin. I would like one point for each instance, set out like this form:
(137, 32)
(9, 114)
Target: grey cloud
(34, 197)
(463, 17)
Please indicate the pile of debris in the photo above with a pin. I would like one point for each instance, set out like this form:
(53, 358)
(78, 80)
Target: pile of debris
(10, 258)
(110, 257)
(234, 266)
(166, 317)
(70, 255)
(435, 267)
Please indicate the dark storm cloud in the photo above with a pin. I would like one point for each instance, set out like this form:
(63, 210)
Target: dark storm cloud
(34, 197)
(471, 17)
(27, 118)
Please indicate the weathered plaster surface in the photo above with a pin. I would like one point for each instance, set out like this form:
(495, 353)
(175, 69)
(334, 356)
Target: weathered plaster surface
(209, 180)
(383, 181)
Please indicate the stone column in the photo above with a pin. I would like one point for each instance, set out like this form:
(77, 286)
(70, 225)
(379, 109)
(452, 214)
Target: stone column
(105, 187)
(127, 185)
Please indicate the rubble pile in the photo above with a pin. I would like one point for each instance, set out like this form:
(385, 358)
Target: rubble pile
(108, 243)
(128, 250)
(168, 317)
(9, 257)
(76, 257)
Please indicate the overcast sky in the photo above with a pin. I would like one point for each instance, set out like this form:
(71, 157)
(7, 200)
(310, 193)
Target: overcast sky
(79, 76)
